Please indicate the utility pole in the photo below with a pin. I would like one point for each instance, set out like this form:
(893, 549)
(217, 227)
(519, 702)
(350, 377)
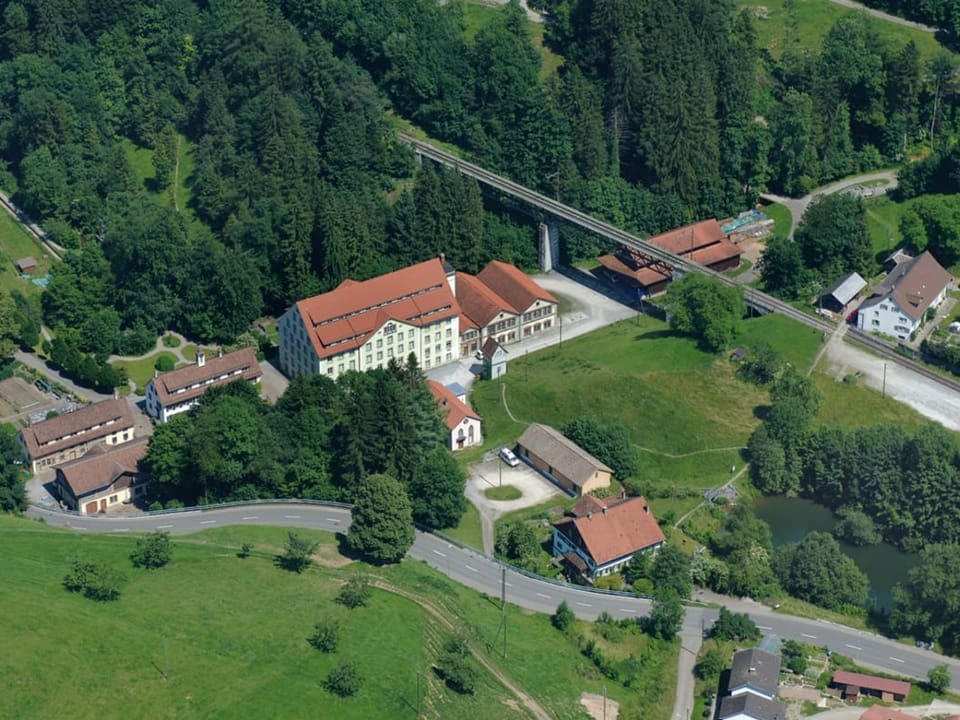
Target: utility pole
(883, 388)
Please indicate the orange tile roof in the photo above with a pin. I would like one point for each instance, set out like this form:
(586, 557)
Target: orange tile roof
(454, 410)
(688, 238)
(478, 302)
(51, 436)
(101, 466)
(624, 528)
(513, 285)
(344, 318)
(239, 364)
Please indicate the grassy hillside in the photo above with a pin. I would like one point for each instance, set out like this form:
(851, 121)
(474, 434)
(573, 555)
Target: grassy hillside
(15, 243)
(230, 635)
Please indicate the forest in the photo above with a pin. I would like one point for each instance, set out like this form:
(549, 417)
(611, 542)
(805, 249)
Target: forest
(660, 113)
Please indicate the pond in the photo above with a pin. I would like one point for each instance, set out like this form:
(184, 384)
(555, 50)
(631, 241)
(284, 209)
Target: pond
(790, 519)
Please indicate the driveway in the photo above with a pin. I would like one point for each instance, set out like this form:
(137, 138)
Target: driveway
(274, 383)
(492, 472)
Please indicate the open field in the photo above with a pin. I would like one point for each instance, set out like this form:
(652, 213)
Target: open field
(229, 633)
(675, 399)
(815, 18)
(468, 531)
(15, 243)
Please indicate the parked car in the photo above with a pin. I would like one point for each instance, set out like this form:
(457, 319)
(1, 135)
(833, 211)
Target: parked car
(506, 454)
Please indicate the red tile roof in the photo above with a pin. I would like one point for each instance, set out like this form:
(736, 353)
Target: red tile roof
(703, 242)
(85, 425)
(513, 285)
(879, 712)
(478, 302)
(344, 318)
(454, 410)
(101, 466)
(187, 383)
(625, 528)
(871, 682)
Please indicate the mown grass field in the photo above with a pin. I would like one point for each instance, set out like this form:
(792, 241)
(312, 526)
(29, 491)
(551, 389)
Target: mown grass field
(141, 371)
(814, 20)
(230, 634)
(782, 218)
(15, 243)
(686, 409)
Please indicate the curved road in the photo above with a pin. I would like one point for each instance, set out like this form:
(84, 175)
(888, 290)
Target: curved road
(483, 573)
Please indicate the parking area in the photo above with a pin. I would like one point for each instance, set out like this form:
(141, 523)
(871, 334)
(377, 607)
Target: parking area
(535, 489)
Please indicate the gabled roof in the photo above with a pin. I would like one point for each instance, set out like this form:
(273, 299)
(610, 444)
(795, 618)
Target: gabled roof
(513, 285)
(756, 669)
(623, 529)
(490, 347)
(101, 466)
(879, 712)
(187, 383)
(913, 285)
(686, 239)
(87, 424)
(478, 302)
(846, 288)
(451, 407)
(871, 682)
(588, 504)
(551, 446)
(344, 318)
(752, 706)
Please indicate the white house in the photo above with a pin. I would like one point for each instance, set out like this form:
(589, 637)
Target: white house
(461, 420)
(363, 325)
(600, 542)
(755, 672)
(897, 307)
(177, 391)
(751, 707)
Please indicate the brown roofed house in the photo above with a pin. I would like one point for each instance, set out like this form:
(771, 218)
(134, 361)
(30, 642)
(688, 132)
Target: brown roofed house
(898, 305)
(461, 420)
(26, 265)
(107, 476)
(562, 460)
(855, 684)
(179, 390)
(69, 436)
(601, 543)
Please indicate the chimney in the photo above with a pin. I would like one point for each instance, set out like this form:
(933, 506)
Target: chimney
(604, 509)
(646, 508)
(201, 358)
(156, 373)
(753, 670)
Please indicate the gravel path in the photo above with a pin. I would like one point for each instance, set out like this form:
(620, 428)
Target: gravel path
(927, 397)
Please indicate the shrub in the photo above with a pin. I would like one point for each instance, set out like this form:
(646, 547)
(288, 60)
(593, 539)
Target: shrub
(354, 593)
(153, 551)
(164, 363)
(456, 667)
(171, 341)
(344, 680)
(563, 618)
(296, 553)
(245, 551)
(326, 636)
(97, 582)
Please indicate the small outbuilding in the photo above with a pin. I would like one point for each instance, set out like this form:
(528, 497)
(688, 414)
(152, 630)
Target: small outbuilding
(26, 265)
(838, 296)
(494, 359)
(853, 685)
(562, 460)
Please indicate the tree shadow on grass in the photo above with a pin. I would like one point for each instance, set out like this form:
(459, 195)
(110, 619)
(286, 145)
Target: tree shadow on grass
(657, 335)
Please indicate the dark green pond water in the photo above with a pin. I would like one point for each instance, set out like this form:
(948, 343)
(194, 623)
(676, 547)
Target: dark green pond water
(790, 519)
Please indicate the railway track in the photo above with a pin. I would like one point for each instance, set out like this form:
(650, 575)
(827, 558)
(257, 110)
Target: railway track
(29, 226)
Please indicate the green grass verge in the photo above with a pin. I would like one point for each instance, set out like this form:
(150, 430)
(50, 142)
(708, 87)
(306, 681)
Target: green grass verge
(141, 371)
(814, 20)
(468, 531)
(15, 243)
(856, 405)
(883, 223)
(505, 492)
(782, 218)
(230, 636)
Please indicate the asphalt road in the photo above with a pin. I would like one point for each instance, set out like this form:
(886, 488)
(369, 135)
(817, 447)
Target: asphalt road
(484, 574)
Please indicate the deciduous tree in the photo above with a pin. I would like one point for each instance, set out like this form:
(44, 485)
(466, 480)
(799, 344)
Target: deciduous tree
(382, 526)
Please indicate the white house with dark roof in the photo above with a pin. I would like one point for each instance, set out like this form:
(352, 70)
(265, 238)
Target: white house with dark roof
(751, 707)
(756, 672)
(69, 436)
(898, 305)
(177, 391)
